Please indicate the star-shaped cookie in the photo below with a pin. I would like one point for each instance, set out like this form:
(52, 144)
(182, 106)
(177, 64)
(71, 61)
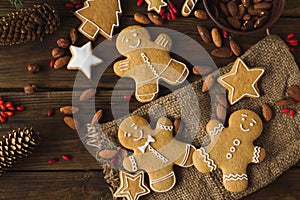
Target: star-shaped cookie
(241, 81)
(156, 5)
(132, 187)
(83, 59)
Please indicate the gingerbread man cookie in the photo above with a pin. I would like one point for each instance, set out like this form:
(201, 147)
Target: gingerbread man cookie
(231, 149)
(147, 62)
(155, 151)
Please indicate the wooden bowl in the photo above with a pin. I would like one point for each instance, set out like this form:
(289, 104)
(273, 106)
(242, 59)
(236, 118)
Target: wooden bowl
(275, 13)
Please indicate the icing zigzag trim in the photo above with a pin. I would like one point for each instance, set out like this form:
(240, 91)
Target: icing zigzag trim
(235, 177)
(256, 155)
(218, 129)
(210, 163)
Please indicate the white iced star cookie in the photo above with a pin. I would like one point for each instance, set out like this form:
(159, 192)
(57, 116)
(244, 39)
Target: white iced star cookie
(156, 5)
(83, 59)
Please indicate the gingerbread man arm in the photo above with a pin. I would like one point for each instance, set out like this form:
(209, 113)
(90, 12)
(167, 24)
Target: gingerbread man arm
(164, 41)
(203, 162)
(122, 67)
(165, 124)
(214, 128)
(259, 154)
(130, 164)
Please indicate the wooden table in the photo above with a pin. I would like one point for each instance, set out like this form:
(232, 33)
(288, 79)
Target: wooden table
(81, 177)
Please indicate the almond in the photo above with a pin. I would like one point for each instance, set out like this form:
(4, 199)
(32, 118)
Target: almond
(216, 37)
(87, 94)
(201, 14)
(63, 43)
(73, 35)
(284, 102)
(267, 112)
(262, 5)
(204, 34)
(97, 116)
(208, 83)
(71, 122)
(232, 8)
(202, 70)
(57, 52)
(234, 22)
(140, 18)
(235, 48)
(294, 91)
(223, 52)
(61, 62)
(155, 19)
(107, 154)
(177, 126)
(222, 100)
(246, 3)
(221, 112)
(69, 110)
(224, 9)
(241, 12)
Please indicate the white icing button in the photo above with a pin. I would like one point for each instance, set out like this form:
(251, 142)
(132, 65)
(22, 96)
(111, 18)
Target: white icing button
(229, 156)
(127, 40)
(243, 119)
(135, 128)
(236, 142)
(232, 149)
(135, 35)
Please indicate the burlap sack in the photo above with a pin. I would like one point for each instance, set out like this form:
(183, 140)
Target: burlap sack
(280, 138)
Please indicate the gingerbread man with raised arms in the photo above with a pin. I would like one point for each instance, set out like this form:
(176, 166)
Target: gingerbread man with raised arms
(155, 151)
(147, 62)
(231, 149)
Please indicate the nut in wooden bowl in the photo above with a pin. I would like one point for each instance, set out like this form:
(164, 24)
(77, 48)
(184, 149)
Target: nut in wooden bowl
(244, 17)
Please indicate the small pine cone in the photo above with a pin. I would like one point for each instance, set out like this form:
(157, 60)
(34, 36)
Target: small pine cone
(15, 145)
(28, 24)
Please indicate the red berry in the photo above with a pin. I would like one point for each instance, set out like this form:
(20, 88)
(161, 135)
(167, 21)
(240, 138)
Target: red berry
(171, 5)
(11, 108)
(113, 160)
(8, 104)
(292, 50)
(173, 16)
(139, 2)
(2, 119)
(50, 113)
(51, 64)
(162, 11)
(79, 6)
(292, 113)
(295, 100)
(52, 161)
(66, 157)
(3, 114)
(69, 5)
(225, 34)
(9, 113)
(20, 108)
(3, 107)
(127, 97)
(174, 9)
(290, 35)
(285, 110)
(169, 16)
(1, 102)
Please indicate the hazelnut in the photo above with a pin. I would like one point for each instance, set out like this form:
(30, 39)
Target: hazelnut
(29, 89)
(33, 68)
(57, 52)
(63, 43)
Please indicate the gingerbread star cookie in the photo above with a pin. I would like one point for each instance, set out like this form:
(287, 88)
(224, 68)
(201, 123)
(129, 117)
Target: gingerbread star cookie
(155, 151)
(83, 59)
(156, 5)
(231, 149)
(241, 81)
(99, 17)
(132, 187)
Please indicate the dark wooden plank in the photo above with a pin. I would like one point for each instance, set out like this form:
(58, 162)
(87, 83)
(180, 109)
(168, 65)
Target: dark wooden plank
(89, 185)
(53, 185)
(14, 59)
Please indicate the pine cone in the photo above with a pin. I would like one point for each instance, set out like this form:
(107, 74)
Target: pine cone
(17, 144)
(28, 24)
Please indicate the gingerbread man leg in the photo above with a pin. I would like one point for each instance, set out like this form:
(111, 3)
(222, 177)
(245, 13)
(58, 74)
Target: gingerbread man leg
(175, 72)
(235, 181)
(146, 91)
(186, 160)
(162, 182)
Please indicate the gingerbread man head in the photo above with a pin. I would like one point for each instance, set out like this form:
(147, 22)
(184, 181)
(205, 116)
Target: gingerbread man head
(231, 149)
(132, 38)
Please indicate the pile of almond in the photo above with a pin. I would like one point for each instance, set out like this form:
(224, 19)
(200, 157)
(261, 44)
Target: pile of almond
(61, 53)
(215, 36)
(244, 15)
(151, 17)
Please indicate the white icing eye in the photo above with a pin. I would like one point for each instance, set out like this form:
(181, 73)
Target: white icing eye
(232, 149)
(129, 134)
(126, 40)
(236, 142)
(251, 124)
(243, 119)
(229, 156)
(135, 35)
(135, 127)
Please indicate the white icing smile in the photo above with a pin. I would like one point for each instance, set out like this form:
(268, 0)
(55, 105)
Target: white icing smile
(137, 45)
(141, 136)
(242, 128)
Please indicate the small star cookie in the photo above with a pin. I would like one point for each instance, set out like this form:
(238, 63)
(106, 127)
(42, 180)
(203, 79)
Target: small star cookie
(156, 5)
(132, 187)
(83, 59)
(241, 81)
